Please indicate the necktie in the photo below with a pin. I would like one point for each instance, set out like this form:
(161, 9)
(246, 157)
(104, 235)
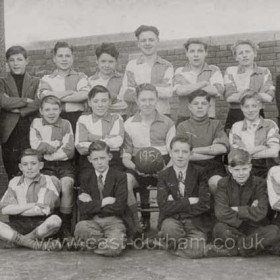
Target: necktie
(100, 185)
(181, 183)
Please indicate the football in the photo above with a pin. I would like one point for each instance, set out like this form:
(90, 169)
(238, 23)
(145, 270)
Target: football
(149, 160)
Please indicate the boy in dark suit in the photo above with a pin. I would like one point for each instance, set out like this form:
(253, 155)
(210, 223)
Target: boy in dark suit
(102, 202)
(18, 100)
(184, 203)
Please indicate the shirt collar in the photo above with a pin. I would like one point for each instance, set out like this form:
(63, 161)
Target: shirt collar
(96, 75)
(260, 124)
(141, 60)
(35, 180)
(107, 117)
(56, 73)
(256, 69)
(104, 174)
(158, 117)
(177, 170)
(57, 123)
(205, 67)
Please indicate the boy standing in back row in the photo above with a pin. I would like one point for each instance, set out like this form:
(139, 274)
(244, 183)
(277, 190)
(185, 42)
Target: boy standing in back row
(148, 68)
(195, 75)
(19, 102)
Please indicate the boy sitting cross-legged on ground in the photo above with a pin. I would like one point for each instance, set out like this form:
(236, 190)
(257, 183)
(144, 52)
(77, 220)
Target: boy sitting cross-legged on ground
(102, 202)
(258, 136)
(207, 137)
(184, 203)
(29, 201)
(53, 137)
(241, 206)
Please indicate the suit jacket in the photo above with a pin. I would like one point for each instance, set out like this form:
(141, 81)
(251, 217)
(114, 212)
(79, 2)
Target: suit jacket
(231, 194)
(115, 185)
(10, 99)
(180, 208)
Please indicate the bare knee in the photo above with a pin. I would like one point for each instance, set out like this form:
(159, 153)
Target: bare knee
(54, 221)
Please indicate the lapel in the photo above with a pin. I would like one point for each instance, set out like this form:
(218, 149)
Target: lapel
(109, 182)
(173, 184)
(27, 81)
(247, 192)
(12, 85)
(189, 184)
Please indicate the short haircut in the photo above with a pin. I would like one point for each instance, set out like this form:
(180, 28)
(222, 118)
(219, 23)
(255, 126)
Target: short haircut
(181, 139)
(199, 92)
(146, 86)
(238, 157)
(60, 45)
(31, 152)
(50, 99)
(144, 28)
(254, 46)
(108, 48)
(16, 50)
(98, 145)
(248, 94)
(195, 41)
(98, 89)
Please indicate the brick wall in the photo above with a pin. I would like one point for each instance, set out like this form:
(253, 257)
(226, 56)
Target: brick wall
(40, 55)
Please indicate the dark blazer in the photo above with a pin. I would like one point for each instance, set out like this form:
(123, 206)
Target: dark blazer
(115, 186)
(180, 207)
(10, 99)
(231, 194)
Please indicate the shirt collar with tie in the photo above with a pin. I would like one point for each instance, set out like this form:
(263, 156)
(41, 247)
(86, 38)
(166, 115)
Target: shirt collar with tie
(104, 174)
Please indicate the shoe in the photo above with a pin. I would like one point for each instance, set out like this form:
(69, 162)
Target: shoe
(155, 244)
(145, 224)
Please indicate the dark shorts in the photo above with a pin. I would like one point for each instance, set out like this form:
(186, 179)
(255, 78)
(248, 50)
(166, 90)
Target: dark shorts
(212, 167)
(59, 169)
(25, 225)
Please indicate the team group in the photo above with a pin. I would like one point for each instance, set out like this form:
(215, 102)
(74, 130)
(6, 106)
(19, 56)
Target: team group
(219, 191)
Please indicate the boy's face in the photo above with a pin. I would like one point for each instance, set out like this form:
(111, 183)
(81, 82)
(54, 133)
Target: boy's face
(17, 64)
(100, 160)
(245, 55)
(30, 166)
(63, 59)
(147, 102)
(106, 64)
(180, 154)
(240, 173)
(251, 109)
(196, 54)
(148, 43)
(99, 104)
(199, 107)
(50, 112)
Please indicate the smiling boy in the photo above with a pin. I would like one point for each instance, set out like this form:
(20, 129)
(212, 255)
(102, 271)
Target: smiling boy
(258, 136)
(29, 201)
(69, 86)
(148, 68)
(19, 104)
(53, 137)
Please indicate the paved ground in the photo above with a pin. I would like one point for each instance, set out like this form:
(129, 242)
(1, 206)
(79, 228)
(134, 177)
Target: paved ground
(21, 264)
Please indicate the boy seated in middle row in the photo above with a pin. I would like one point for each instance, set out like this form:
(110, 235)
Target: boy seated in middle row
(207, 137)
(258, 136)
(53, 137)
